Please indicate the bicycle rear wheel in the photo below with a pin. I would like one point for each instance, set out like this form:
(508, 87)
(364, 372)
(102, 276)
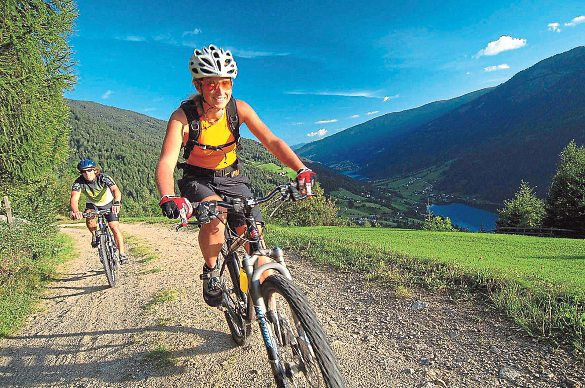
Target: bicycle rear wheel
(235, 303)
(303, 349)
(107, 260)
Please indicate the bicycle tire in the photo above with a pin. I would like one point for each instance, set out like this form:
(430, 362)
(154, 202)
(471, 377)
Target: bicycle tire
(235, 305)
(304, 338)
(105, 254)
(115, 263)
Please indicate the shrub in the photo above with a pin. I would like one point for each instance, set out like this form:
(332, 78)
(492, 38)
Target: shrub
(524, 210)
(438, 224)
(315, 211)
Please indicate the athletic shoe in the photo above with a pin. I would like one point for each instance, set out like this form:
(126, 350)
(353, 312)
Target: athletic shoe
(94, 242)
(211, 286)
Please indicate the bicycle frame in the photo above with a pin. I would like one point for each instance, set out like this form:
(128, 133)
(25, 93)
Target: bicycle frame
(285, 317)
(103, 232)
(252, 272)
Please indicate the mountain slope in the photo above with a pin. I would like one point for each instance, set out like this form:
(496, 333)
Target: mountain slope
(355, 146)
(483, 143)
(127, 144)
(514, 132)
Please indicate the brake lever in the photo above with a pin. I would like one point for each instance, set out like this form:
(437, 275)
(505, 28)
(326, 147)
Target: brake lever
(183, 217)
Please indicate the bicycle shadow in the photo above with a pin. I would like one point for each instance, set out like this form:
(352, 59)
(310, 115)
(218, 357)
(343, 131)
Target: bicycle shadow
(84, 291)
(36, 365)
(62, 284)
(77, 276)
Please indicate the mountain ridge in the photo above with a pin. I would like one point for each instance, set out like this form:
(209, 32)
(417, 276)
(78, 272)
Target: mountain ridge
(487, 144)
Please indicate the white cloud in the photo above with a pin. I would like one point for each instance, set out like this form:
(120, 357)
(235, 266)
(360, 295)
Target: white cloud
(504, 43)
(362, 93)
(373, 112)
(134, 38)
(575, 21)
(298, 123)
(503, 66)
(107, 94)
(166, 39)
(387, 98)
(255, 54)
(322, 132)
(196, 31)
(149, 109)
(355, 116)
(326, 121)
(554, 27)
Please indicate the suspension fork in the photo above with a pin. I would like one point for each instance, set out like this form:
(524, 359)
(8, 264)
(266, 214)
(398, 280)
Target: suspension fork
(260, 304)
(100, 231)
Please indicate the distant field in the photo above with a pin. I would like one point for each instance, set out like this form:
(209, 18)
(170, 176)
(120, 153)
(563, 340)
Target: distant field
(275, 169)
(529, 260)
(538, 282)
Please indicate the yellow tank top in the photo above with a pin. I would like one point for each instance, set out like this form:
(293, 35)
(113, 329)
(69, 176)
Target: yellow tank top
(214, 134)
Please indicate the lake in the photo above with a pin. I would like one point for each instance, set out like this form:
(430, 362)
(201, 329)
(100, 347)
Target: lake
(466, 217)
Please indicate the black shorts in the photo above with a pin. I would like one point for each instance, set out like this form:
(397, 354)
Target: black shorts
(109, 217)
(195, 188)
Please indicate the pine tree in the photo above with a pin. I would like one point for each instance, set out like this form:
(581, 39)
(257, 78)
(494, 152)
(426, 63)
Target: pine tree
(524, 210)
(35, 69)
(565, 205)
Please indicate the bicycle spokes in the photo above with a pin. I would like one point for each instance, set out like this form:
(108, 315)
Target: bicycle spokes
(294, 346)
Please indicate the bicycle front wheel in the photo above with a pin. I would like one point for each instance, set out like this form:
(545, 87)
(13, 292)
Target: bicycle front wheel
(304, 352)
(107, 260)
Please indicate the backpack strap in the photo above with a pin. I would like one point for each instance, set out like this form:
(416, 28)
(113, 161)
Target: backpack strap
(193, 118)
(190, 109)
(234, 119)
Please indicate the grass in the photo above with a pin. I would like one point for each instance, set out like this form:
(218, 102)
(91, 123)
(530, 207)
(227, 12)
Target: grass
(139, 250)
(151, 270)
(125, 219)
(538, 282)
(271, 167)
(160, 297)
(21, 285)
(160, 357)
(149, 220)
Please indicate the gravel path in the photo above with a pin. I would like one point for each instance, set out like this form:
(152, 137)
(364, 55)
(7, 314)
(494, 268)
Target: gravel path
(86, 334)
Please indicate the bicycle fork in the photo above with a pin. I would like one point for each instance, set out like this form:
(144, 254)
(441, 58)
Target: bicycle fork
(253, 280)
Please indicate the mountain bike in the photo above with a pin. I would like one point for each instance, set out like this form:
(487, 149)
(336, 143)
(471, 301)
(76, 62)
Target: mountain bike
(107, 249)
(297, 347)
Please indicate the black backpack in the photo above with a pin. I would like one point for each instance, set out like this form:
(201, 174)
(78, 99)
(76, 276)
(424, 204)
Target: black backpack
(190, 109)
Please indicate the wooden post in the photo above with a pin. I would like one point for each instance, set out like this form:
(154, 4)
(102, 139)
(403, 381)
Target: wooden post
(8, 211)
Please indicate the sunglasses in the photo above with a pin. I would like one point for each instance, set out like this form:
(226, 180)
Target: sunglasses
(224, 84)
(87, 171)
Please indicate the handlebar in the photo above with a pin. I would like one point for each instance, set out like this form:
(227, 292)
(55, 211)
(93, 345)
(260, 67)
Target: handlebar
(208, 209)
(96, 213)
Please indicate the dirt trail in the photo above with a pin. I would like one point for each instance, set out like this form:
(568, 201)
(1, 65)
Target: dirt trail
(87, 334)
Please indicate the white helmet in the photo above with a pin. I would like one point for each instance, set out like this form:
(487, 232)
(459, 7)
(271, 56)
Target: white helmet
(212, 62)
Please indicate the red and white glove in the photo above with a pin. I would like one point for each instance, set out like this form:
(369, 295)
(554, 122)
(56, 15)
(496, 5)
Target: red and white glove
(305, 181)
(171, 206)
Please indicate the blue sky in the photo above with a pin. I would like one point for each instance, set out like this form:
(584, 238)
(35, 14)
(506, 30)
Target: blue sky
(314, 68)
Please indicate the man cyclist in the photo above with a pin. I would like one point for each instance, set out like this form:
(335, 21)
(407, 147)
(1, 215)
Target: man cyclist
(101, 193)
(205, 126)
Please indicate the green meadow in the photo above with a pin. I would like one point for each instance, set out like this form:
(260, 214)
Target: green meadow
(538, 282)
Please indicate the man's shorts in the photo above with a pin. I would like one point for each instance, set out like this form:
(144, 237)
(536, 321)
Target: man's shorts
(109, 217)
(195, 188)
